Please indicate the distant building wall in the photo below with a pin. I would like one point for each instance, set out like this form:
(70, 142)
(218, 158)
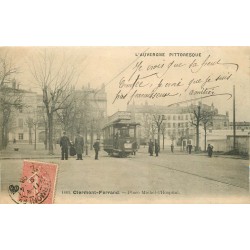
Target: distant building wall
(218, 145)
(242, 143)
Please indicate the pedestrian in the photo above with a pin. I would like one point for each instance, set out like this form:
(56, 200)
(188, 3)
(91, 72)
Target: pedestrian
(190, 148)
(79, 143)
(210, 150)
(172, 148)
(14, 141)
(134, 147)
(64, 144)
(150, 147)
(157, 148)
(96, 146)
(72, 150)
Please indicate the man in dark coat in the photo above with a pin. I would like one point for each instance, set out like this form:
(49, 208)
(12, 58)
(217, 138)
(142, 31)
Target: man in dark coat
(189, 148)
(157, 148)
(151, 147)
(96, 147)
(210, 150)
(79, 143)
(172, 148)
(64, 144)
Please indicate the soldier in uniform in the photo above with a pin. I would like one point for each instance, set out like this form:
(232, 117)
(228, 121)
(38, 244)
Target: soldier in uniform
(64, 144)
(79, 143)
(96, 146)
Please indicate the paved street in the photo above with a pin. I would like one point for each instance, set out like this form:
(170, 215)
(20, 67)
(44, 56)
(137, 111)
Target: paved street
(170, 178)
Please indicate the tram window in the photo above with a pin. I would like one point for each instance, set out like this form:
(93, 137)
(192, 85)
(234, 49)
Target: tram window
(131, 132)
(124, 132)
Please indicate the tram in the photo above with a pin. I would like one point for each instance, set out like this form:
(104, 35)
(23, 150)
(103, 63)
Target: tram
(120, 135)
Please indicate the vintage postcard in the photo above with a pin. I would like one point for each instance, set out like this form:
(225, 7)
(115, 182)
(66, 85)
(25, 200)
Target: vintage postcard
(124, 125)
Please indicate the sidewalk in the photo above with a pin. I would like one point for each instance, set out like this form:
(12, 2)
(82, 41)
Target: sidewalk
(177, 151)
(26, 151)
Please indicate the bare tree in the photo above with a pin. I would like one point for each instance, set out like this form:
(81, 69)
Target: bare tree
(10, 95)
(207, 117)
(7, 69)
(196, 119)
(158, 119)
(149, 125)
(163, 132)
(55, 75)
(201, 117)
(29, 122)
(173, 136)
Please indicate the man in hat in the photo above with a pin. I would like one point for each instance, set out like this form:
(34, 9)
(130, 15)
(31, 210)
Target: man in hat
(96, 146)
(64, 144)
(79, 143)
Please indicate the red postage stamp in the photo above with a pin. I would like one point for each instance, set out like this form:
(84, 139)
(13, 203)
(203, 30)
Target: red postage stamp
(37, 183)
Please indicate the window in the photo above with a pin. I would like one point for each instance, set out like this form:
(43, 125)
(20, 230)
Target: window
(174, 117)
(20, 136)
(186, 117)
(225, 124)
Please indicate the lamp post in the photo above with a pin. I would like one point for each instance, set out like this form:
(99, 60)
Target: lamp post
(234, 127)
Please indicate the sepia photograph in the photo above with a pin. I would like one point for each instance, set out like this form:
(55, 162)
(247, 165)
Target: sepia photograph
(124, 125)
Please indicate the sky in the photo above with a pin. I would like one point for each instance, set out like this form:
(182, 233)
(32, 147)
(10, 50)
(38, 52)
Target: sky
(129, 76)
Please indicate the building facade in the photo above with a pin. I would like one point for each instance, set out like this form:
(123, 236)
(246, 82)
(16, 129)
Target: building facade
(176, 124)
(29, 124)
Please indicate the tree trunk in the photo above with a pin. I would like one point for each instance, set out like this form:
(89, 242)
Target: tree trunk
(46, 136)
(197, 137)
(205, 139)
(159, 137)
(30, 136)
(2, 137)
(35, 138)
(50, 121)
(163, 141)
(91, 136)
(5, 136)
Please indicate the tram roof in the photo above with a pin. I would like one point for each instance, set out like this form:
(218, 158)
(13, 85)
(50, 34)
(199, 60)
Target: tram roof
(121, 122)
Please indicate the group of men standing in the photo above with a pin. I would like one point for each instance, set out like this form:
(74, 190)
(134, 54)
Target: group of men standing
(76, 148)
(153, 147)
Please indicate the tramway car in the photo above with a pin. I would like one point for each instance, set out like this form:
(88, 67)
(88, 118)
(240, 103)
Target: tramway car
(120, 135)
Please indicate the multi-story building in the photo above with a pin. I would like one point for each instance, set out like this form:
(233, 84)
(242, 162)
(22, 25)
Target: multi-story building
(31, 120)
(243, 126)
(177, 124)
